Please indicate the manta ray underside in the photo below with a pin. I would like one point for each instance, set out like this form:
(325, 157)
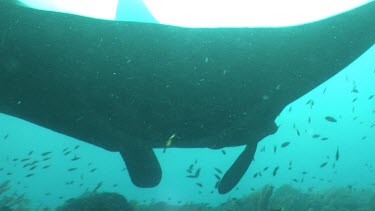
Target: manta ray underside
(128, 87)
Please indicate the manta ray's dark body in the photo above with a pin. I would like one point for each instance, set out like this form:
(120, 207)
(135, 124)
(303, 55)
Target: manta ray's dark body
(129, 87)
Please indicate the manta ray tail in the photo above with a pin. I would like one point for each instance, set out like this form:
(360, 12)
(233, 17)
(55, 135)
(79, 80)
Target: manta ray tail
(237, 170)
(142, 165)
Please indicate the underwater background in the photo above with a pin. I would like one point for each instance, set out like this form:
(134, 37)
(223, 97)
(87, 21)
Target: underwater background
(311, 163)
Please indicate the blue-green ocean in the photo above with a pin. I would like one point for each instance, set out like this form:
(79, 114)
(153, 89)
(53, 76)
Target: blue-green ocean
(320, 158)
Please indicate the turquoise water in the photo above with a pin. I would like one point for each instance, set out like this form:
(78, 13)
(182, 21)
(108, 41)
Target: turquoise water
(347, 97)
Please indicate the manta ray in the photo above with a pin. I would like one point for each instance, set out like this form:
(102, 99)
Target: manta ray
(133, 87)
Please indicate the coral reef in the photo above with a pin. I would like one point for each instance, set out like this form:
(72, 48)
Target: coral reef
(285, 198)
(268, 198)
(11, 202)
(340, 199)
(97, 202)
(260, 200)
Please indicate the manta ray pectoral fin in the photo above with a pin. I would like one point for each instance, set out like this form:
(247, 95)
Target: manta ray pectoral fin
(142, 165)
(237, 170)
